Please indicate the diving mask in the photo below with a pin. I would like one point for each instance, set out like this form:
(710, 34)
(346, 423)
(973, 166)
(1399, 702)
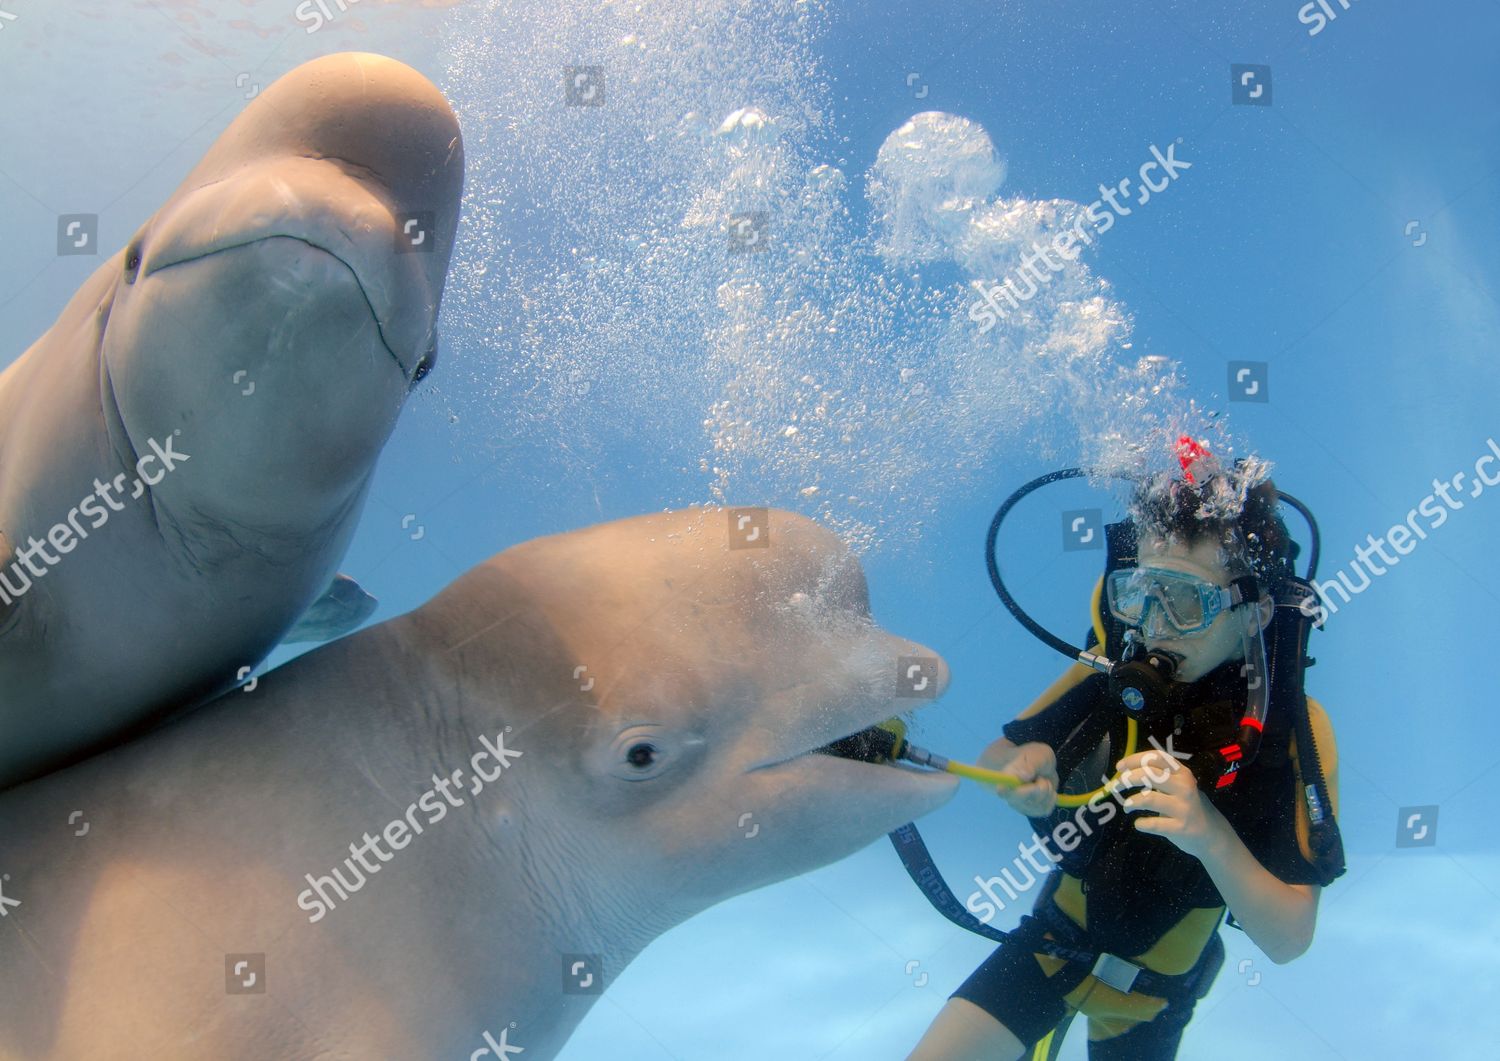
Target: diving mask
(1162, 602)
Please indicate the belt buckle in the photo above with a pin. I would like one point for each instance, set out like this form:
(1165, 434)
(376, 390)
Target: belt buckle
(1116, 972)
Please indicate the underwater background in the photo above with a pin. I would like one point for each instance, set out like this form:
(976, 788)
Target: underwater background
(1314, 288)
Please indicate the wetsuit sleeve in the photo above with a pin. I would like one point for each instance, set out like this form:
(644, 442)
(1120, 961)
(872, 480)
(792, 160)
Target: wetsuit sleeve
(1058, 711)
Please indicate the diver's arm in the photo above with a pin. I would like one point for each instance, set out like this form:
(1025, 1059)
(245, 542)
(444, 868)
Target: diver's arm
(1028, 747)
(1279, 917)
(999, 753)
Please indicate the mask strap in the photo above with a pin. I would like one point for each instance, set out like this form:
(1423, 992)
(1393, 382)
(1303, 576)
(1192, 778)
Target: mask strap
(1244, 590)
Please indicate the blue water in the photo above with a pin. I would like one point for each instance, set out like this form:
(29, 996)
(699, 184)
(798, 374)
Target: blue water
(1343, 236)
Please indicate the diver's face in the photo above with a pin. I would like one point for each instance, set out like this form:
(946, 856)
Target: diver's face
(1198, 653)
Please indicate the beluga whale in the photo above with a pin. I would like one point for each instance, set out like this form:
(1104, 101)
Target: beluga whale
(447, 833)
(184, 454)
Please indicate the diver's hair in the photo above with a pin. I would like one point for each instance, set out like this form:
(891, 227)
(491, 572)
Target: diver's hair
(1255, 541)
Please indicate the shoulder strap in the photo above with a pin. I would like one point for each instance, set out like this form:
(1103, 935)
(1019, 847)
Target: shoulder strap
(1292, 625)
(1327, 753)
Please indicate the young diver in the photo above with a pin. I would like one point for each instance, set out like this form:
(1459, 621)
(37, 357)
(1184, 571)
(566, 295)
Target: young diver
(1125, 930)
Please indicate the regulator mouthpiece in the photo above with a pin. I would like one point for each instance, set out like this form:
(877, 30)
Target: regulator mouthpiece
(1144, 685)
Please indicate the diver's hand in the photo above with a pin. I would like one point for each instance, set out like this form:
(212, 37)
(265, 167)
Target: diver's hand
(1036, 765)
(1183, 813)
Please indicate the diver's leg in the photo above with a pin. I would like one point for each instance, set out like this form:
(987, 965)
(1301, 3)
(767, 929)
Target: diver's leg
(1159, 1038)
(1005, 1006)
(1152, 1040)
(964, 1032)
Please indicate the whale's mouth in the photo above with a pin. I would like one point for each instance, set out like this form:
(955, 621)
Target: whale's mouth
(323, 204)
(880, 743)
(365, 289)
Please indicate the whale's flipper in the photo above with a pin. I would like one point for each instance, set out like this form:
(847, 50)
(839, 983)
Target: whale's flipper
(339, 611)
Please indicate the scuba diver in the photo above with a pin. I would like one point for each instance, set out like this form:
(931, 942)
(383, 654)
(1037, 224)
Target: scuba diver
(1192, 691)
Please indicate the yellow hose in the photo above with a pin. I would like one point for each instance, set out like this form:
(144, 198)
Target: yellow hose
(1070, 799)
(1064, 799)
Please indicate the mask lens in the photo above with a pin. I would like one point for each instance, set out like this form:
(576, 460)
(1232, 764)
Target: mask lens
(1183, 602)
(1162, 602)
(1125, 592)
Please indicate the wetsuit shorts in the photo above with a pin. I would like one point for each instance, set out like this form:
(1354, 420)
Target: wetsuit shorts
(1014, 987)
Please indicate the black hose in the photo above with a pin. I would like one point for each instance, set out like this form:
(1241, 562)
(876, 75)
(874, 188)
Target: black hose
(1312, 525)
(1038, 631)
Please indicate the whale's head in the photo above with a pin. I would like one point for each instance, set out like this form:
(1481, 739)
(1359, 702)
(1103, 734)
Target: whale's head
(669, 680)
(289, 289)
(355, 157)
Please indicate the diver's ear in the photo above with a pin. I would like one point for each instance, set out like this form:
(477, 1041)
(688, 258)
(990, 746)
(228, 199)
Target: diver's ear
(1267, 610)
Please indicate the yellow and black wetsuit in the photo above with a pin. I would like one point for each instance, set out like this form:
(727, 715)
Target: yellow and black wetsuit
(1132, 894)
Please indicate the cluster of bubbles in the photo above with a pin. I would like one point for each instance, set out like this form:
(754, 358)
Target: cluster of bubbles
(1050, 356)
(662, 253)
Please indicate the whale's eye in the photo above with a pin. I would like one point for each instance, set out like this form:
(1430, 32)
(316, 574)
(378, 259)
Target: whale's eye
(643, 752)
(132, 262)
(428, 362)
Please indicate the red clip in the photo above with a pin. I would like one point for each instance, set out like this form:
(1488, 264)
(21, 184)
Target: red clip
(1189, 453)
